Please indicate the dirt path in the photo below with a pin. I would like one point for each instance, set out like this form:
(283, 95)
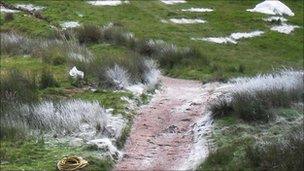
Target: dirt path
(163, 136)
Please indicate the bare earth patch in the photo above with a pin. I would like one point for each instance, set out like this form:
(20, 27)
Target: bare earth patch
(163, 136)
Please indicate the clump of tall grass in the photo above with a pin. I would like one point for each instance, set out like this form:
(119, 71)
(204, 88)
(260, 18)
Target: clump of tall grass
(47, 80)
(16, 87)
(283, 154)
(54, 51)
(252, 98)
(71, 117)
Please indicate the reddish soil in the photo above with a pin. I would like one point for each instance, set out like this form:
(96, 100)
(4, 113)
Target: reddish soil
(161, 137)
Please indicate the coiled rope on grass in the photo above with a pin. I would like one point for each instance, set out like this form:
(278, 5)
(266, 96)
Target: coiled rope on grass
(71, 163)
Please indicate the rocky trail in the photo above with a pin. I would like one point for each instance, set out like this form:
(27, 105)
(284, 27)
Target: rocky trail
(171, 132)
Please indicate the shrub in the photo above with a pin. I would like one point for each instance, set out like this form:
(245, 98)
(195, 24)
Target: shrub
(286, 154)
(89, 34)
(47, 80)
(253, 99)
(17, 88)
(8, 17)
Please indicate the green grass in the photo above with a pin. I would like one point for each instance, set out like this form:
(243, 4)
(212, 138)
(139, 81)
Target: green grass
(258, 54)
(36, 155)
(107, 99)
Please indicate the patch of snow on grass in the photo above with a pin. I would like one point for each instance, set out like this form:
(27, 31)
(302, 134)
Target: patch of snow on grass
(275, 18)
(171, 2)
(69, 24)
(107, 2)
(284, 28)
(197, 10)
(218, 40)
(272, 7)
(232, 38)
(237, 36)
(29, 7)
(6, 10)
(186, 21)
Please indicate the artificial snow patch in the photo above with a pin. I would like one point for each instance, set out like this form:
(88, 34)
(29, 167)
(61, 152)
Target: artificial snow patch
(108, 2)
(284, 28)
(218, 40)
(232, 38)
(29, 7)
(75, 73)
(186, 21)
(275, 18)
(237, 36)
(272, 7)
(197, 10)
(6, 10)
(170, 2)
(69, 24)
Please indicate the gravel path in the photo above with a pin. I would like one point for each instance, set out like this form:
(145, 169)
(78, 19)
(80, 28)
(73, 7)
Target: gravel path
(163, 136)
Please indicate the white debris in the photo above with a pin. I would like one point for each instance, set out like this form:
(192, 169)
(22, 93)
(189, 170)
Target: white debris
(197, 10)
(75, 73)
(186, 21)
(272, 7)
(232, 38)
(137, 89)
(29, 7)
(284, 28)
(107, 2)
(106, 145)
(69, 24)
(6, 10)
(171, 2)
(275, 18)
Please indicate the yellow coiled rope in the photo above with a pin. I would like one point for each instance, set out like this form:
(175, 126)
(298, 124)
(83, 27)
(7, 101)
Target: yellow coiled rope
(71, 163)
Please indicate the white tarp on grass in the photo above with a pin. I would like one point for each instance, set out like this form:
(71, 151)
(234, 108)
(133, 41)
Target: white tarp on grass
(107, 2)
(75, 73)
(186, 21)
(197, 10)
(272, 7)
(232, 38)
(170, 2)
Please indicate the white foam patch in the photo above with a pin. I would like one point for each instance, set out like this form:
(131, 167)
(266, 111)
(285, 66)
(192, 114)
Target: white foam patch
(232, 38)
(171, 2)
(272, 7)
(275, 18)
(284, 28)
(197, 10)
(186, 21)
(6, 10)
(69, 24)
(108, 2)
(30, 7)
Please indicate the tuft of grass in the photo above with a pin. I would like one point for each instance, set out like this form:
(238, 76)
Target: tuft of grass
(286, 154)
(16, 87)
(47, 80)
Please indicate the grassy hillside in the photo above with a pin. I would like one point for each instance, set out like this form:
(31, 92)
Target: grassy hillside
(143, 18)
(258, 54)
